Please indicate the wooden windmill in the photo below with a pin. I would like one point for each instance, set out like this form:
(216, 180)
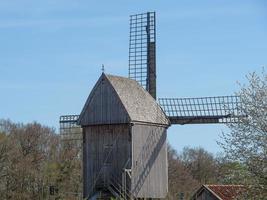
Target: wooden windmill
(123, 127)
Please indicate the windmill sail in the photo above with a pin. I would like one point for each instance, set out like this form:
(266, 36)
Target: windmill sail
(203, 110)
(142, 68)
(69, 130)
(142, 50)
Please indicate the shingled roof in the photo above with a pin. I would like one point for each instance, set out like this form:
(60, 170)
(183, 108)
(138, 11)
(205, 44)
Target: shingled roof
(221, 192)
(139, 105)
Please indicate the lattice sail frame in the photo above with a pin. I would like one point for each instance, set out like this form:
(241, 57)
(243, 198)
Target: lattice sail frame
(69, 130)
(142, 68)
(221, 109)
(142, 50)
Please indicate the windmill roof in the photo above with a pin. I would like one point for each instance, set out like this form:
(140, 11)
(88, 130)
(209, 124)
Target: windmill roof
(137, 102)
(223, 192)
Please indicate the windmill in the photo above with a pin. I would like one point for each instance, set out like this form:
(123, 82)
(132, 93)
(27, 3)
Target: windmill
(136, 177)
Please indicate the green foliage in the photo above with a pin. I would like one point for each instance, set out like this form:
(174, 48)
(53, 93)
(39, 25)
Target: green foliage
(232, 172)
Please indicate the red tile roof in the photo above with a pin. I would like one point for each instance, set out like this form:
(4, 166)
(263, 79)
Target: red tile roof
(226, 192)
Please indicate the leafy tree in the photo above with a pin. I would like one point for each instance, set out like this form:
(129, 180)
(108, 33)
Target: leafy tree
(246, 142)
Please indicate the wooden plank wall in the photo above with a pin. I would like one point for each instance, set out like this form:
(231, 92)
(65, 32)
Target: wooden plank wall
(105, 106)
(98, 141)
(150, 168)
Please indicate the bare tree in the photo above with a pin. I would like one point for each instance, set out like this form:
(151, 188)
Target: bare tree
(181, 182)
(26, 152)
(200, 163)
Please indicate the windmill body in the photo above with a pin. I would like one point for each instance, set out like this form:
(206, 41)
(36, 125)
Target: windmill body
(124, 140)
(123, 127)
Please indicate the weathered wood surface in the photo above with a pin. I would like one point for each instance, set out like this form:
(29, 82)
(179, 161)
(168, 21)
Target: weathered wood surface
(116, 100)
(149, 156)
(106, 151)
(121, 121)
(103, 106)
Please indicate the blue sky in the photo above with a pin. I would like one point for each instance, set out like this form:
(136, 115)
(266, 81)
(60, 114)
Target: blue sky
(51, 54)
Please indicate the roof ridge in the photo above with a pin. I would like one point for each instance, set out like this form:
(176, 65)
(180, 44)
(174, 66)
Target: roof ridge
(117, 76)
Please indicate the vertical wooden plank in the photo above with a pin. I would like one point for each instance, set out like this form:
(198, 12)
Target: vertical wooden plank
(150, 177)
(97, 137)
(105, 106)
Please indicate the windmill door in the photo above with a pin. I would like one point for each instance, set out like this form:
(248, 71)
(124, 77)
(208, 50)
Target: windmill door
(108, 152)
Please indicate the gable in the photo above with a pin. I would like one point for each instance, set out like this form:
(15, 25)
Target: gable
(103, 106)
(206, 194)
